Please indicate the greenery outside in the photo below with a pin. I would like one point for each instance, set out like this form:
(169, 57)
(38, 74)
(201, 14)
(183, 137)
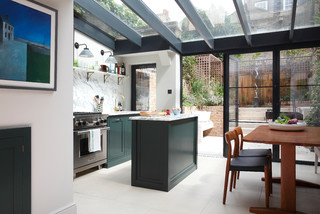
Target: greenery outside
(313, 118)
(196, 92)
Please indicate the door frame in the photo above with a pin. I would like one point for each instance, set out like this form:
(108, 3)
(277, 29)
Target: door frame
(276, 92)
(133, 81)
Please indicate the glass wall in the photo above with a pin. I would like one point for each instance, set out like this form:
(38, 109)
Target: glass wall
(250, 91)
(299, 87)
(251, 86)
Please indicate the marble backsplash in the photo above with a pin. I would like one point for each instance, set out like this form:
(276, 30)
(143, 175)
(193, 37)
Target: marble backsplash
(84, 91)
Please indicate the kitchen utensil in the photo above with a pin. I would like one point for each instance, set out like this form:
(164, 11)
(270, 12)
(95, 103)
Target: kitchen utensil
(96, 99)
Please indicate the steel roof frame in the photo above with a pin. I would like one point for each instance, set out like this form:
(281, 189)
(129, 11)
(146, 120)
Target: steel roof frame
(167, 39)
(243, 20)
(293, 18)
(145, 13)
(192, 14)
(110, 19)
(93, 32)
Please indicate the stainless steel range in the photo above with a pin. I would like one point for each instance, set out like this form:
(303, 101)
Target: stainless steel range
(85, 125)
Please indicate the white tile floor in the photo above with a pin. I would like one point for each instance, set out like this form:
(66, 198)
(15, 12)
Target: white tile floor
(109, 191)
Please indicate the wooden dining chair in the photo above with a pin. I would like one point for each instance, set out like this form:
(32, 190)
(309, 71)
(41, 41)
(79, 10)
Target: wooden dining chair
(252, 153)
(249, 164)
(316, 157)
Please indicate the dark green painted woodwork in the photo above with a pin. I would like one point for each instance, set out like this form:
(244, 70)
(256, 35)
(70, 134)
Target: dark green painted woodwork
(152, 153)
(15, 168)
(181, 147)
(116, 142)
(163, 153)
(127, 136)
(119, 140)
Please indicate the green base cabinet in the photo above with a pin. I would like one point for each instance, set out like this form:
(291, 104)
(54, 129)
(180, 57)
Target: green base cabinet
(119, 140)
(163, 152)
(15, 168)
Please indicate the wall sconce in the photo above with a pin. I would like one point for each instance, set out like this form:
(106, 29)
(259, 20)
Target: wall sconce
(85, 52)
(110, 59)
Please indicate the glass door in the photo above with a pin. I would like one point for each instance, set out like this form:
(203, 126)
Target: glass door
(299, 90)
(144, 87)
(250, 92)
(263, 85)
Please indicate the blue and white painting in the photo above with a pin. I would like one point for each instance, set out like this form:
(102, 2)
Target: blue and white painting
(25, 42)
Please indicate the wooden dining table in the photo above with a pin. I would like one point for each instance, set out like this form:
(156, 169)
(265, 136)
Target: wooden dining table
(288, 140)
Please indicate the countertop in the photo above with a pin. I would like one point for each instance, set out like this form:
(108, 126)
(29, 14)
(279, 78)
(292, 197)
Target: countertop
(120, 113)
(164, 118)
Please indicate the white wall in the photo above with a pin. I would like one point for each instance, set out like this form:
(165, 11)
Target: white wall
(50, 116)
(93, 46)
(84, 91)
(168, 75)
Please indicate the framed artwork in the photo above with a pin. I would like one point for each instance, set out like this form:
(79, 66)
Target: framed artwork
(28, 51)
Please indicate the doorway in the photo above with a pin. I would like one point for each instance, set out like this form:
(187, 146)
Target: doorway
(261, 86)
(144, 87)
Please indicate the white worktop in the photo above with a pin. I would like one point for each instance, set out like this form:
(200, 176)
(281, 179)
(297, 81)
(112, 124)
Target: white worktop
(164, 118)
(120, 113)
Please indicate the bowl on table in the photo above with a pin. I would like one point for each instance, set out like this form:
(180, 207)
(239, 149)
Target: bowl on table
(176, 112)
(300, 126)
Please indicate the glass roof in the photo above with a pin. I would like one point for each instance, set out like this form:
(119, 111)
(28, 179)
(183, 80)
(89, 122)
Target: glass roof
(174, 18)
(128, 16)
(84, 14)
(268, 16)
(308, 14)
(219, 16)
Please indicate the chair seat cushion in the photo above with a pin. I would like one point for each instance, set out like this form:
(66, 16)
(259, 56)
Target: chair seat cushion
(254, 152)
(255, 164)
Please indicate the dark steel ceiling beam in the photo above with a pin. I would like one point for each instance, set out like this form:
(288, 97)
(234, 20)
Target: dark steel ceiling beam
(93, 32)
(153, 20)
(192, 14)
(293, 18)
(308, 37)
(110, 19)
(243, 20)
(149, 43)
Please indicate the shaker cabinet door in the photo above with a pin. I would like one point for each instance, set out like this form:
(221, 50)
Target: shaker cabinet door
(116, 147)
(15, 168)
(128, 136)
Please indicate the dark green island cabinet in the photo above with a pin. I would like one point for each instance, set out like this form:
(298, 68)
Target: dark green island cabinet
(119, 139)
(15, 170)
(164, 150)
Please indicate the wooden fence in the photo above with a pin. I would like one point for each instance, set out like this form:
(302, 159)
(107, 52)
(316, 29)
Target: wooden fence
(256, 76)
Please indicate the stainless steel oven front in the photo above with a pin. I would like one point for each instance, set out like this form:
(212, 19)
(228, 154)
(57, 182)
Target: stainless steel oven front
(83, 158)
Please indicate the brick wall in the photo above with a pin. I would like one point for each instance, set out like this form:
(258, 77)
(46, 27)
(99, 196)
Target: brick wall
(216, 117)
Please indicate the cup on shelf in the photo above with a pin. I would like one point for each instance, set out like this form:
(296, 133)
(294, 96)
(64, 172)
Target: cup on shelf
(103, 68)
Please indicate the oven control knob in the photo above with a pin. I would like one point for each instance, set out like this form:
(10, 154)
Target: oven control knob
(97, 123)
(83, 123)
(78, 123)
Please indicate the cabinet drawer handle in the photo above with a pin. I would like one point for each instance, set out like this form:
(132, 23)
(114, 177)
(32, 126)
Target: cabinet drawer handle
(117, 120)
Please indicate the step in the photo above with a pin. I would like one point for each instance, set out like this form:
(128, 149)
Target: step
(252, 117)
(251, 125)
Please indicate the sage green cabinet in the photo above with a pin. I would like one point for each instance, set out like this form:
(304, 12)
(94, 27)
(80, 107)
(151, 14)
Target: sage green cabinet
(119, 140)
(15, 168)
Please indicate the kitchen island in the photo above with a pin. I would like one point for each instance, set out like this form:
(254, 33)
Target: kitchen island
(164, 150)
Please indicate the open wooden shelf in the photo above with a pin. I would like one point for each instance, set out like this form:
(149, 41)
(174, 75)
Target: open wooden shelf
(106, 75)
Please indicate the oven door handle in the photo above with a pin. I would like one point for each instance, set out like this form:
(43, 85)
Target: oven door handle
(86, 131)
